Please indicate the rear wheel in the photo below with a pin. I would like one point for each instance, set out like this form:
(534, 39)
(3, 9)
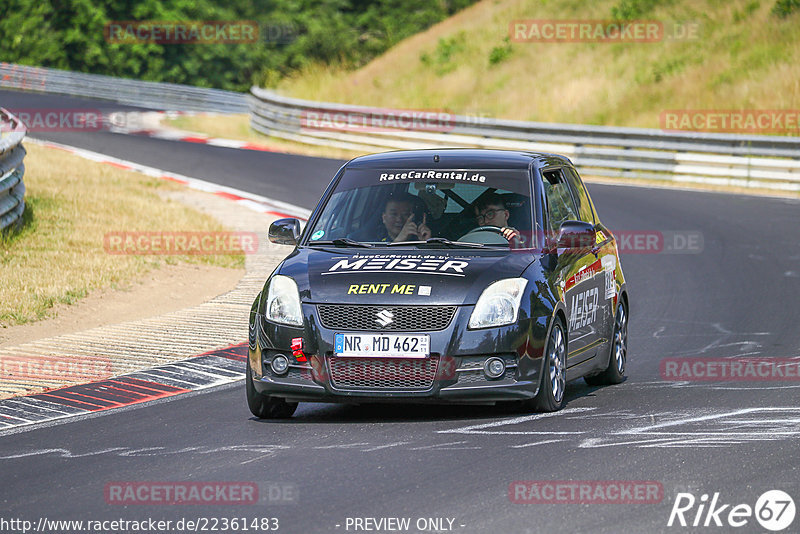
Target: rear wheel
(265, 406)
(615, 372)
(554, 373)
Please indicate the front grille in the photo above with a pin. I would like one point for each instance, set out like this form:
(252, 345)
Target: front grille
(405, 374)
(403, 318)
(475, 377)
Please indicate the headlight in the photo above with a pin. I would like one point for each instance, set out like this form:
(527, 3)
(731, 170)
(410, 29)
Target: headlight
(283, 302)
(498, 304)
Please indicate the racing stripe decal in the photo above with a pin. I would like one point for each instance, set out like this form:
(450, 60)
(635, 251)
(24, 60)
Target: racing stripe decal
(585, 274)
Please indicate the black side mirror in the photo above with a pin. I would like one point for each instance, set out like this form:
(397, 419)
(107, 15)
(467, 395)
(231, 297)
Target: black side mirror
(285, 231)
(576, 235)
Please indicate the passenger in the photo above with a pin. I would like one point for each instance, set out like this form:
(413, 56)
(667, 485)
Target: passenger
(491, 210)
(398, 219)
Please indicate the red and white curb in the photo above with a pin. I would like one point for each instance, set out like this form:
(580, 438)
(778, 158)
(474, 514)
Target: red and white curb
(148, 123)
(210, 369)
(214, 368)
(188, 137)
(251, 201)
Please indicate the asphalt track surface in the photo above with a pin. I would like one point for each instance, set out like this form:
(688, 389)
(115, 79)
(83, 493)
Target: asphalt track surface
(736, 297)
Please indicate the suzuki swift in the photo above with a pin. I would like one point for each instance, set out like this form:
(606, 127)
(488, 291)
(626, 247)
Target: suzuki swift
(445, 276)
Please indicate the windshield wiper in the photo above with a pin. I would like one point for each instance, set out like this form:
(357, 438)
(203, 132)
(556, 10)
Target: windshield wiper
(440, 241)
(342, 242)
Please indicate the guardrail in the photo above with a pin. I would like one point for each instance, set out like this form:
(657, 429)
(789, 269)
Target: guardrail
(163, 96)
(769, 162)
(12, 189)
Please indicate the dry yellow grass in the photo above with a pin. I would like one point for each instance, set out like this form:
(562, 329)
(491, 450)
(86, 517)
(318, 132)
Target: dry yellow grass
(59, 255)
(232, 126)
(745, 58)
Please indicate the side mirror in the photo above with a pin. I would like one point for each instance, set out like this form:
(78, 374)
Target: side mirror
(285, 231)
(576, 235)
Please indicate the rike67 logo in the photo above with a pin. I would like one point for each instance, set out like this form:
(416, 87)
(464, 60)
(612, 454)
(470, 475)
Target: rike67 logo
(774, 510)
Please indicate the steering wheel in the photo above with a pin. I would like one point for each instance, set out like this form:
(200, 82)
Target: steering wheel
(495, 229)
(495, 235)
(479, 235)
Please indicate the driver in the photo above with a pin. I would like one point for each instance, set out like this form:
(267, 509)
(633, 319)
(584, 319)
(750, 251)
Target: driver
(398, 219)
(491, 210)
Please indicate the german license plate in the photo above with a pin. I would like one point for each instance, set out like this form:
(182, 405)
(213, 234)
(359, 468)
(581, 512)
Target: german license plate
(382, 345)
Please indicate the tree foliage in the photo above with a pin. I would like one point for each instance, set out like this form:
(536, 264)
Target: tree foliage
(69, 34)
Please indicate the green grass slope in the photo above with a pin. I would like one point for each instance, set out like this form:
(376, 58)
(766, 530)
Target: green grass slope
(746, 56)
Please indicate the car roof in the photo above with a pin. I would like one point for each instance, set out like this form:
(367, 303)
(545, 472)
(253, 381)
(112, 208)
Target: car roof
(457, 158)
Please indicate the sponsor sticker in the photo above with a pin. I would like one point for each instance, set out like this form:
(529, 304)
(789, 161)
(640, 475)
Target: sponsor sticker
(583, 310)
(455, 175)
(609, 268)
(387, 289)
(392, 263)
(582, 275)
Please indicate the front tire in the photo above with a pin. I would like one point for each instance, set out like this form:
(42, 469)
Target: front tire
(617, 359)
(264, 406)
(554, 372)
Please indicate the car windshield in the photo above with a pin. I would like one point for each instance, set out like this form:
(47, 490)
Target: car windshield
(431, 208)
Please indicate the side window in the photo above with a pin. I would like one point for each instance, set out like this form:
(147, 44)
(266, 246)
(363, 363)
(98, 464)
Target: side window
(581, 197)
(560, 206)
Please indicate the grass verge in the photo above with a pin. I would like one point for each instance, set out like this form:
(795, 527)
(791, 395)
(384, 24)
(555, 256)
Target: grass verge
(741, 56)
(58, 255)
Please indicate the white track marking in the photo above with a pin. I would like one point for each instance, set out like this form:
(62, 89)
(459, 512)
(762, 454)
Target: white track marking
(545, 442)
(695, 419)
(475, 429)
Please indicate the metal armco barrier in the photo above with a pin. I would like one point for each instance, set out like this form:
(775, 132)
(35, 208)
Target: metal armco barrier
(769, 162)
(163, 96)
(12, 189)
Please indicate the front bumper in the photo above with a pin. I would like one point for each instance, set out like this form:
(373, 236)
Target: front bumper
(505, 390)
(455, 366)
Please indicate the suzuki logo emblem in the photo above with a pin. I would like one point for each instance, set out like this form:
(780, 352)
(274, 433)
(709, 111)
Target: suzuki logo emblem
(385, 317)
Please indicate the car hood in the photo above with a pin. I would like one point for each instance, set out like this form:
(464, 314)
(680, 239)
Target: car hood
(394, 276)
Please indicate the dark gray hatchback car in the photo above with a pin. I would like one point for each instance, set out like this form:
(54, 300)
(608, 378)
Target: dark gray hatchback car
(446, 276)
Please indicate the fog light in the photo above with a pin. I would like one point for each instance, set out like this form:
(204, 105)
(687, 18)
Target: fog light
(494, 368)
(279, 364)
